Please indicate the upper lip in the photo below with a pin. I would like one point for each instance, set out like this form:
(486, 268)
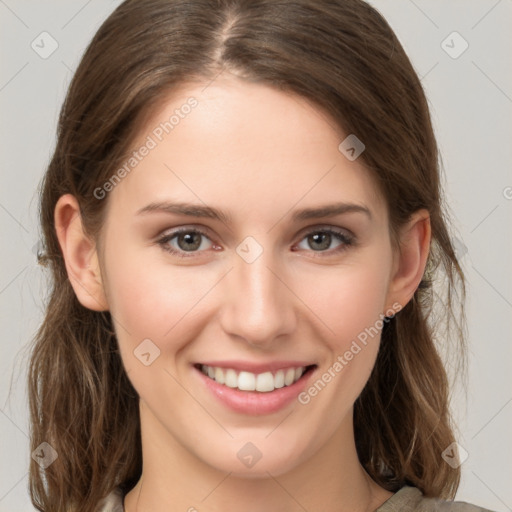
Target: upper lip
(249, 366)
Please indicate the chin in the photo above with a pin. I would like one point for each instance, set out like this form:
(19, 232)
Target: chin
(248, 461)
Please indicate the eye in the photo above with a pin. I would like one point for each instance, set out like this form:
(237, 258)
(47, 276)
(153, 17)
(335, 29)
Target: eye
(187, 242)
(321, 240)
(184, 241)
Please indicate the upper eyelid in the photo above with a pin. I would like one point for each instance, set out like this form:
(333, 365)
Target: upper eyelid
(204, 230)
(326, 227)
(315, 228)
(171, 232)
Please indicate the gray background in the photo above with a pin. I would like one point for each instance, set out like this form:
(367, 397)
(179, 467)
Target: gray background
(471, 103)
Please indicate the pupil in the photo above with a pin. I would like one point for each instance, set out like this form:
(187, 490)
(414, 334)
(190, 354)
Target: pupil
(188, 238)
(323, 239)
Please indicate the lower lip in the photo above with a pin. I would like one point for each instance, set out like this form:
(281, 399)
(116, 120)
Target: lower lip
(255, 402)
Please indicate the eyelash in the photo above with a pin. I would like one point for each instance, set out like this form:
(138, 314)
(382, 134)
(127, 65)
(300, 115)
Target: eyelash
(347, 241)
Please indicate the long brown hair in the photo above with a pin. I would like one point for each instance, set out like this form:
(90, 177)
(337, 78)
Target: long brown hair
(343, 57)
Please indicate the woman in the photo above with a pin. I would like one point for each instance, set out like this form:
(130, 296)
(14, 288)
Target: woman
(243, 220)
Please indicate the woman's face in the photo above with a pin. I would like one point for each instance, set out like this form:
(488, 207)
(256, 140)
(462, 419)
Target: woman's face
(259, 283)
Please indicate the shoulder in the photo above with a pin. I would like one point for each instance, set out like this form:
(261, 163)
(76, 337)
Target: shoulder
(407, 499)
(112, 503)
(410, 499)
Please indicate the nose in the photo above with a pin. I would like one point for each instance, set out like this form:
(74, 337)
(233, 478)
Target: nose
(258, 306)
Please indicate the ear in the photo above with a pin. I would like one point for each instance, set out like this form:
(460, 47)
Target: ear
(411, 259)
(80, 255)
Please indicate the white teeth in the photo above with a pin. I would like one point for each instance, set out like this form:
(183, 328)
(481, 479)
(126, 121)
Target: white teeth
(265, 382)
(279, 379)
(289, 376)
(219, 375)
(231, 379)
(247, 381)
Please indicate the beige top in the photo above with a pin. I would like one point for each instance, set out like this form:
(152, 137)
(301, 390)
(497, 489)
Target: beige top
(407, 499)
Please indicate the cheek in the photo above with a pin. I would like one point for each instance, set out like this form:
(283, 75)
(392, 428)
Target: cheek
(348, 300)
(350, 306)
(152, 300)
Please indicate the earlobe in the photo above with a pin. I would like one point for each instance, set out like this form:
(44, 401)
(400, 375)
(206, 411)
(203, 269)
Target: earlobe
(80, 254)
(411, 260)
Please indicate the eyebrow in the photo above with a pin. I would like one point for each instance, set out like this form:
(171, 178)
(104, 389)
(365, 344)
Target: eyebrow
(196, 210)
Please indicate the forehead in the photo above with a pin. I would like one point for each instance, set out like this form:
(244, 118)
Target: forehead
(243, 147)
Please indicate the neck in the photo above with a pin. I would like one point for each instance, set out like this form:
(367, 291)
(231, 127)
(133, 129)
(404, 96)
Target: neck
(174, 479)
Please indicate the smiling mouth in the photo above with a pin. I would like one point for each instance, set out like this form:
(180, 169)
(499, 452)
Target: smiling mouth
(261, 382)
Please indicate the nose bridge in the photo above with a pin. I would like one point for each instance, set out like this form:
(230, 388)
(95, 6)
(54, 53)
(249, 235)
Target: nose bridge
(258, 307)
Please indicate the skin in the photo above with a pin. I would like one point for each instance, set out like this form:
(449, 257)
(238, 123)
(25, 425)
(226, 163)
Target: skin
(259, 155)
